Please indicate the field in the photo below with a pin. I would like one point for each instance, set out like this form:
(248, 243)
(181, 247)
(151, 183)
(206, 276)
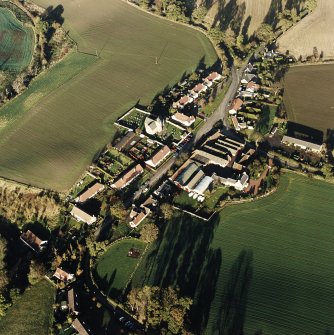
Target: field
(114, 268)
(31, 313)
(59, 132)
(265, 265)
(16, 43)
(308, 96)
(316, 30)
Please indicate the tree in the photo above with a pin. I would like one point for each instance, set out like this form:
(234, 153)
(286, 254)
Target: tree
(157, 307)
(149, 232)
(118, 210)
(3, 275)
(167, 211)
(264, 33)
(37, 271)
(199, 14)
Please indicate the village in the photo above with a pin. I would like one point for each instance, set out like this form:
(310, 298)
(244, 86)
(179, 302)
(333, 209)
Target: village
(154, 161)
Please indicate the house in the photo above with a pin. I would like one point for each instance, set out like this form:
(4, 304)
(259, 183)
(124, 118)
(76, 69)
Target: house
(235, 106)
(239, 181)
(158, 157)
(153, 126)
(139, 216)
(125, 179)
(185, 100)
(184, 119)
(301, 144)
(79, 327)
(252, 87)
(249, 68)
(197, 90)
(72, 301)
(125, 141)
(32, 241)
(235, 123)
(203, 185)
(247, 77)
(90, 192)
(63, 275)
(82, 216)
(211, 78)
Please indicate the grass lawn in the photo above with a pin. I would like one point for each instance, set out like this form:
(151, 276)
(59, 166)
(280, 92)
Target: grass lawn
(183, 200)
(211, 201)
(16, 43)
(114, 268)
(58, 134)
(308, 96)
(266, 265)
(31, 313)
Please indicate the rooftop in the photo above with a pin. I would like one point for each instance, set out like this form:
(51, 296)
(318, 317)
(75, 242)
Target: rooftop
(90, 192)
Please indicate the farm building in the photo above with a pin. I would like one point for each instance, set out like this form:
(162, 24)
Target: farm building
(158, 157)
(203, 185)
(82, 216)
(304, 145)
(90, 192)
(184, 119)
(63, 275)
(128, 177)
(185, 173)
(32, 241)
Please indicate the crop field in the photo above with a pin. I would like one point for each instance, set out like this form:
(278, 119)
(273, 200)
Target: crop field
(58, 134)
(16, 43)
(115, 267)
(316, 30)
(308, 96)
(31, 313)
(266, 265)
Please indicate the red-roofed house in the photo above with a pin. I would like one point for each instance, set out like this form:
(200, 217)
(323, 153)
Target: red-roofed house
(198, 89)
(184, 119)
(90, 192)
(212, 77)
(158, 157)
(63, 275)
(128, 177)
(185, 100)
(252, 87)
(32, 241)
(236, 105)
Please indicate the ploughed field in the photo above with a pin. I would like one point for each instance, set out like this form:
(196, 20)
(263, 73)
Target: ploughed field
(16, 43)
(309, 97)
(267, 264)
(61, 122)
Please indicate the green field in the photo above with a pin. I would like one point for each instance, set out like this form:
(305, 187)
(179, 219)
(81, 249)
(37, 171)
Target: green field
(31, 313)
(267, 264)
(308, 96)
(16, 43)
(58, 134)
(114, 268)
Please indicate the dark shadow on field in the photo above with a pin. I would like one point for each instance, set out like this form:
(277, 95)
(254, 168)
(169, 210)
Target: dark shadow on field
(182, 257)
(305, 133)
(275, 8)
(232, 313)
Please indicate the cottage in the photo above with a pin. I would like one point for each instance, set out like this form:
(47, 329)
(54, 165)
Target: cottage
(139, 217)
(72, 301)
(184, 119)
(79, 327)
(197, 90)
(32, 241)
(304, 145)
(239, 181)
(63, 275)
(235, 106)
(82, 216)
(158, 157)
(153, 126)
(128, 177)
(90, 192)
(247, 77)
(185, 100)
(211, 78)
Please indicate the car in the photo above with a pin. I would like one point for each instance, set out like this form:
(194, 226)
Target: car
(122, 319)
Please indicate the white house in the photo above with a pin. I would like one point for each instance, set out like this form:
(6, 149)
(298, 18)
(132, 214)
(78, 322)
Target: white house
(239, 183)
(82, 216)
